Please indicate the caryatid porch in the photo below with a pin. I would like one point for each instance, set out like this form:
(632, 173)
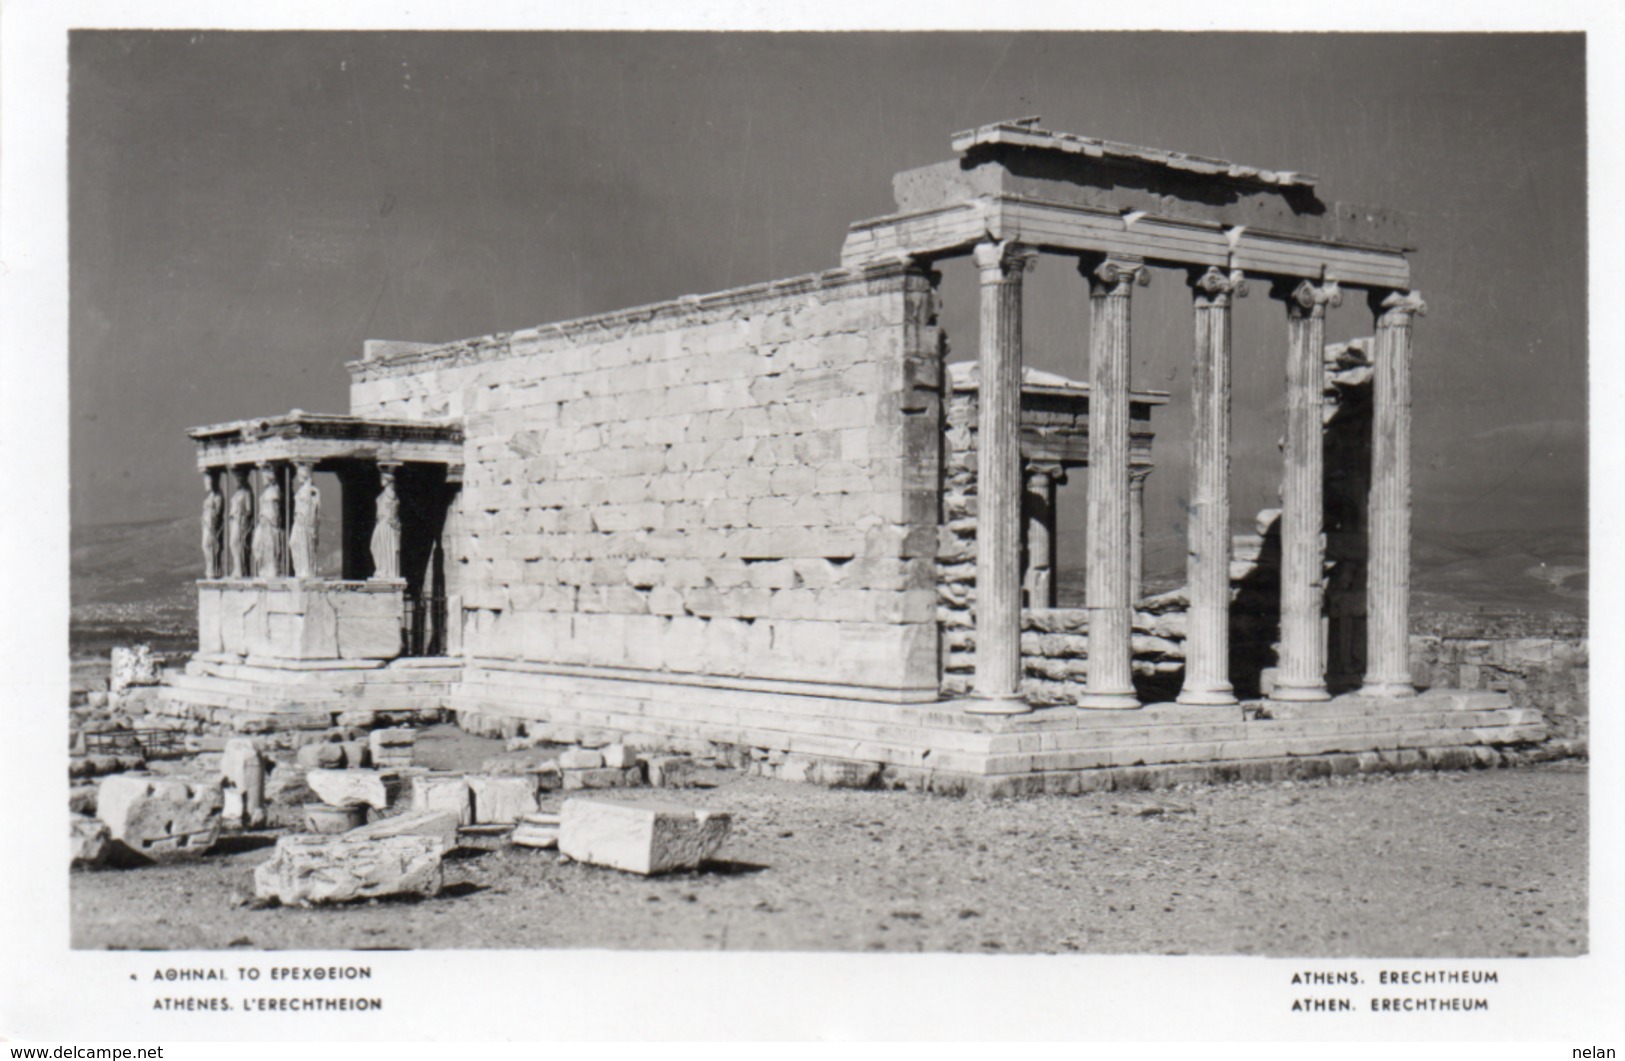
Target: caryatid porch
(1016, 191)
(265, 596)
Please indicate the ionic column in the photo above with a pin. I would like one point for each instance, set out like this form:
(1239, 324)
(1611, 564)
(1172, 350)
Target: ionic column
(998, 483)
(1207, 557)
(1302, 670)
(1137, 475)
(1039, 581)
(1111, 616)
(1388, 575)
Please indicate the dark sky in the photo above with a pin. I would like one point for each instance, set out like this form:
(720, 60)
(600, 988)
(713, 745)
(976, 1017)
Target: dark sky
(246, 208)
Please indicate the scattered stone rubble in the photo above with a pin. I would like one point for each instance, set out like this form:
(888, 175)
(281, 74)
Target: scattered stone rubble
(177, 806)
(133, 665)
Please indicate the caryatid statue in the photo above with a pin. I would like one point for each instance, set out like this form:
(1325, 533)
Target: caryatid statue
(307, 508)
(239, 518)
(270, 545)
(213, 511)
(386, 529)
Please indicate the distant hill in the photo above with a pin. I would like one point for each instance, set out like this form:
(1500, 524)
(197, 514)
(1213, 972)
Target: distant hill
(134, 582)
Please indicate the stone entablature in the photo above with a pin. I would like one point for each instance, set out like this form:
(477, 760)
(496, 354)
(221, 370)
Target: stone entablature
(785, 296)
(319, 437)
(300, 619)
(1054, 416)
(1069, 194)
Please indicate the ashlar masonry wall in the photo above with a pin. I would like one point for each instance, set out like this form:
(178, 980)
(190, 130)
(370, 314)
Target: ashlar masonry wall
(740, 486)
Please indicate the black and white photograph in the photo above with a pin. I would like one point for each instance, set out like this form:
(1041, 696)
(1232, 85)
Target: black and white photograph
(1048, 499)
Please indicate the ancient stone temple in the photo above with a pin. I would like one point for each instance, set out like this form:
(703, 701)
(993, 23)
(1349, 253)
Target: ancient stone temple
(772, 517)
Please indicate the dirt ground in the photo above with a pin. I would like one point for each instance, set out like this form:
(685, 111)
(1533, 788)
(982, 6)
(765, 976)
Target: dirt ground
(1475, 864)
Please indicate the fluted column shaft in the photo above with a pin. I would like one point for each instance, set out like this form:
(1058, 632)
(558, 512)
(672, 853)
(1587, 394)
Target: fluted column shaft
(1207, 559)
(1136, 531)
(1302, 671)
(1111, 617)
(1388, 575)
(998, 483)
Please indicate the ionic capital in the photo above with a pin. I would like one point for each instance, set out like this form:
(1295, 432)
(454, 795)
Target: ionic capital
(1310, 300)
(1043, 470)
(1398, 307)
(1215, 287)
(1003, 260)
(1138, 474)
(1116, 277)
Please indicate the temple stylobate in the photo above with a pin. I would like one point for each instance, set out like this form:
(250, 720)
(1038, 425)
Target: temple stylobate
(1017, 190)
(776, 518)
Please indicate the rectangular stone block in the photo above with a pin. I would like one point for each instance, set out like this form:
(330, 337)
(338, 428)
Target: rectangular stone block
(537, 830)
(349, 788)
(441, 824)
(670, 771)
(89, 841)
(316, 869)
(392, 747)
(580, 759)
(160, 817)
(604, 777)
(643, 837)
(502, 800)
(369, 638)
(443, 793)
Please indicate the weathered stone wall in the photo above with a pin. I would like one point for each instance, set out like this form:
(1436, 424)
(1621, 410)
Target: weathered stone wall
(1542, 664)
(741, 485)
(956, 545)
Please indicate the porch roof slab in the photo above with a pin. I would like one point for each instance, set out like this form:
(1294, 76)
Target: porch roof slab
(321, 437)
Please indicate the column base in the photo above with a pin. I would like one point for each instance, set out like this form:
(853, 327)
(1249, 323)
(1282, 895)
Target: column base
(1212, 696)
(1006, 704)
(1299, 693)
(1388, 690)
(1109, 701)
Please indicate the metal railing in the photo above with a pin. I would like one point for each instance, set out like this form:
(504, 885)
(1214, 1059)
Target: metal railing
(423, 625)
(148, 743)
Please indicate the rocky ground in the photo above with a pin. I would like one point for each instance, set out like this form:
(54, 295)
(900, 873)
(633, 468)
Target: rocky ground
(1483, 863)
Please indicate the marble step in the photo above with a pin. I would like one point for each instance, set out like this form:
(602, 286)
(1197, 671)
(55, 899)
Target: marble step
(920, 745)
